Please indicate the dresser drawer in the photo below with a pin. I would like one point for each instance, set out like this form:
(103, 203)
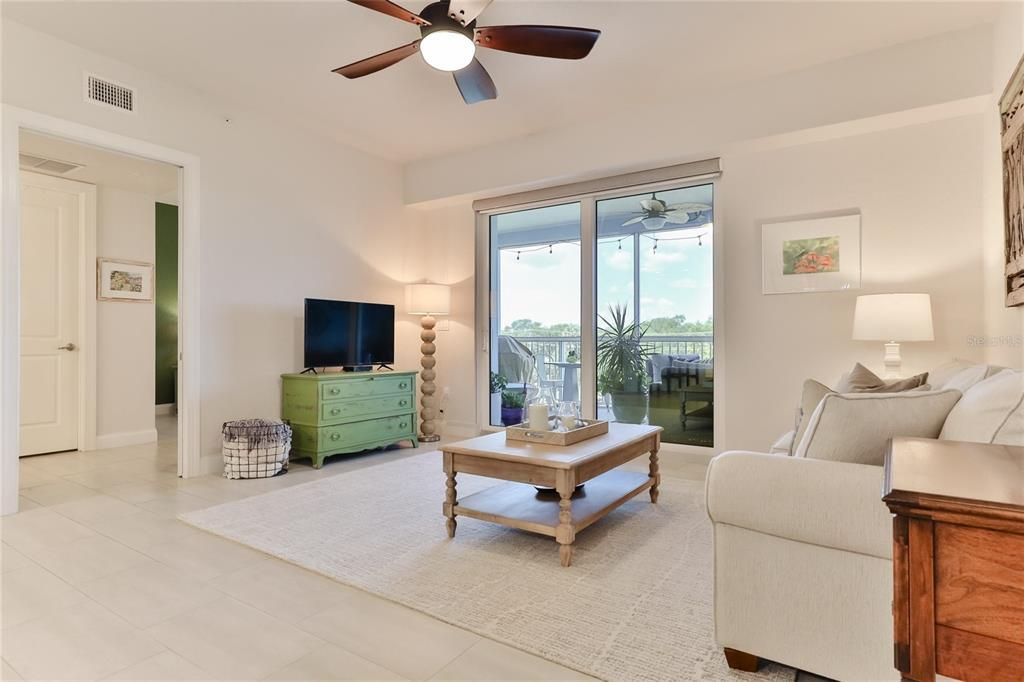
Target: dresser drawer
(334, 411)
(364, 387)
(383, 429)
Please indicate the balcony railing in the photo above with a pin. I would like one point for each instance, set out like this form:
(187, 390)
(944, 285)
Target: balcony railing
(556, 348)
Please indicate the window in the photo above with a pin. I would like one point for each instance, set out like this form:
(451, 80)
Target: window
(637, 266)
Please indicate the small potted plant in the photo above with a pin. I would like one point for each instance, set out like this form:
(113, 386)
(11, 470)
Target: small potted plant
(498, 384)
(512, 403)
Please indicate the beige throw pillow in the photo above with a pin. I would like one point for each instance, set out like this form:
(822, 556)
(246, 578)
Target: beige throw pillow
(856, 427)
(812, 394)
(863, 380)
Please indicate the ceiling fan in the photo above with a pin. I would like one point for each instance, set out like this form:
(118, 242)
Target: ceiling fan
(449, 38)
(655, 213)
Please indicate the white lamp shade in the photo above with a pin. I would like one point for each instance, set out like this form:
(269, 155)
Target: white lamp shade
(428, 299)
(893, 317)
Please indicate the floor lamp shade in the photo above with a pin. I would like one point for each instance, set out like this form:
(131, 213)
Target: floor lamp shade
(428, 300)
(893, 318)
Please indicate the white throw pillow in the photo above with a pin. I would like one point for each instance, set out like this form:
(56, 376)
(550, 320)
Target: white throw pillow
(989, 412)
(941, 375)
(856, 427)
(966, 378)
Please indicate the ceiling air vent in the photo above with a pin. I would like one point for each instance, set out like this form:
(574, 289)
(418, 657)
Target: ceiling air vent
(109, 93)
(43, 165)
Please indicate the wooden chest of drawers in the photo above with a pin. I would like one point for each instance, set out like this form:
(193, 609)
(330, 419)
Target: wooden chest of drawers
(958, 559)
(333, 414)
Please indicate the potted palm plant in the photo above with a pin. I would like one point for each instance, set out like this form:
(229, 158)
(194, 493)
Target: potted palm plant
(622, 365)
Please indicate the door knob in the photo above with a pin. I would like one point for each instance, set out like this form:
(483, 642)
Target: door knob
(67, 346)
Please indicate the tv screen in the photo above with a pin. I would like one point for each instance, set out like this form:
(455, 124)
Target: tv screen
(347, 334)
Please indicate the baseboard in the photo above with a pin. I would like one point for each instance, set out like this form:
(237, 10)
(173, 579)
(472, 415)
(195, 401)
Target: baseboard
(166, 408)
(123, 438)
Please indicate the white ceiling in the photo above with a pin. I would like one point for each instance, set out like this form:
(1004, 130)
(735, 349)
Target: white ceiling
(102, 167)
(277, 58)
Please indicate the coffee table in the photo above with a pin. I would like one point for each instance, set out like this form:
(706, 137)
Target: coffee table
(523, 465)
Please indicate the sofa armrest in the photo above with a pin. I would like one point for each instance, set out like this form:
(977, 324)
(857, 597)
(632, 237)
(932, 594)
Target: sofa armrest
(820, 502)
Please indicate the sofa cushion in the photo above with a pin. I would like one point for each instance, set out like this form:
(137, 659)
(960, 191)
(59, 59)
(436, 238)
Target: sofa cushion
(863, 380)
(783, 445)
(966, 378)
(990, 411)
(812, 394)
(856, 427)
(941, 375)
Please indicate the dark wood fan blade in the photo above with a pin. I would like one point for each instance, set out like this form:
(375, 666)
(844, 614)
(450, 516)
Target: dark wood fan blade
(560, 42)
(365, 67)
(392, 10)
(465, 11)
(475, 83)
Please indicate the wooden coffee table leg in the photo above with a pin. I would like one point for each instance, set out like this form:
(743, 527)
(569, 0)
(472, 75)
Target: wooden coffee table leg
(449, 495)
(655, 476)
(565, 535)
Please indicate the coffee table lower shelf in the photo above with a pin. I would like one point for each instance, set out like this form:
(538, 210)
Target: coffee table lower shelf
(519, 505)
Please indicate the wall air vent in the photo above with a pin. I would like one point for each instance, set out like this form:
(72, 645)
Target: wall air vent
(43, 165)
(111, 94)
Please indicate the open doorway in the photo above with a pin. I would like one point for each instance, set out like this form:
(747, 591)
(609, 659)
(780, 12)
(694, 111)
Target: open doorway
(99, 252)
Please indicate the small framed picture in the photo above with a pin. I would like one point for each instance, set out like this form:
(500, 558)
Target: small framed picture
(123, 280)
(811, 254)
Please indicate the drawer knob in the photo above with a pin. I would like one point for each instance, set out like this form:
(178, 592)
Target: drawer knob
(403, 385)
(403, 402)
(336, 411)
(335, 436)
(403, 425)
(335, 391)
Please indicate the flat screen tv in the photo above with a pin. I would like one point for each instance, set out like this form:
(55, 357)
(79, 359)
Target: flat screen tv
(349, 334)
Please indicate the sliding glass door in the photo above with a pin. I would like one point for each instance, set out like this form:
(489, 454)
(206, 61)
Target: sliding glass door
(655, 308)
(638, 267)
(534, 307)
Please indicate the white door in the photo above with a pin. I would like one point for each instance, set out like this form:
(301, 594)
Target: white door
(50, 231)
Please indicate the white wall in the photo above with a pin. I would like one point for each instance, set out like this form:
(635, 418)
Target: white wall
(919, 190)
(125, 331)
(677, 126)
(284, 215)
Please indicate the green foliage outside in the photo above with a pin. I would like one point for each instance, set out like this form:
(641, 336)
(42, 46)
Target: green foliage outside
(658, 326)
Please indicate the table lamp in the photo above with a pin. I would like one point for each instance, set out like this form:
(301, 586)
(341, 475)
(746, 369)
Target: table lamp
(428, 300)
(893, 318)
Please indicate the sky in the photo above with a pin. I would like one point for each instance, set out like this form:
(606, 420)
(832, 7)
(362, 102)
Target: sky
(542, 282)
(675, 279)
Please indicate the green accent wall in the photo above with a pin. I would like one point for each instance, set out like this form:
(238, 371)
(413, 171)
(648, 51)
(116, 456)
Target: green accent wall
(166, 293)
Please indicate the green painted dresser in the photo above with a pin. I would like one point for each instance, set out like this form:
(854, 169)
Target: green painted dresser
(334, 414)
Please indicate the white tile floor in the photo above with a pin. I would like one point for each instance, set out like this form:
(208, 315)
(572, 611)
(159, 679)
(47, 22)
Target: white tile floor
(100, 581)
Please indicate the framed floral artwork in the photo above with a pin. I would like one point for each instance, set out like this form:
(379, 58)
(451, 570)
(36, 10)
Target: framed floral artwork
(811, 254)
(123, 280)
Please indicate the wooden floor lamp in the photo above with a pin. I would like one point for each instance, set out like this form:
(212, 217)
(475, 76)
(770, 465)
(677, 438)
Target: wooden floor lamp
(428, 300)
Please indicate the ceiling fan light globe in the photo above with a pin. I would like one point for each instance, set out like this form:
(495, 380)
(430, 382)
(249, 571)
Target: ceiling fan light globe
(654, 222)
(447, 50)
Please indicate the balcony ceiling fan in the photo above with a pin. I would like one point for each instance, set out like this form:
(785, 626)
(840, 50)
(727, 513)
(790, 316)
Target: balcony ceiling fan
(655, 213)
(449, 38)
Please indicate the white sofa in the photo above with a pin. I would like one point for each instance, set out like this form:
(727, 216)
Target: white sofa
(803, 553)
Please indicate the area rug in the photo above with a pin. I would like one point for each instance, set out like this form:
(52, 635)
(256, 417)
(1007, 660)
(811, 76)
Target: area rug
(636, 605)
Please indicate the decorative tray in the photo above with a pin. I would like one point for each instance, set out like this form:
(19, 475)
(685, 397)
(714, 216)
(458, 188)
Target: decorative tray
(584, 429)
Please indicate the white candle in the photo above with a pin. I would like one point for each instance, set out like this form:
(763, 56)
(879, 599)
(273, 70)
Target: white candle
(538, 418)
